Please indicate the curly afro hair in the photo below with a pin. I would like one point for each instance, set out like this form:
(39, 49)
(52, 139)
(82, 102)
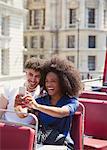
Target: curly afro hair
(69, 76)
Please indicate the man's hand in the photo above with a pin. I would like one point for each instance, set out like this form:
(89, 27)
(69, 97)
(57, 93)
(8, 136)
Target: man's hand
(20, 107)
(22, 110)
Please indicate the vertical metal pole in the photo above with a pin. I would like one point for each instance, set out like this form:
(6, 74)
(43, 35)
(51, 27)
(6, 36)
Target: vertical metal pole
(56, 29)
(78, 32)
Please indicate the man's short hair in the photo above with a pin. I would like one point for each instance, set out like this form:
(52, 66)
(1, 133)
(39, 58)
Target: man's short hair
(34, 63)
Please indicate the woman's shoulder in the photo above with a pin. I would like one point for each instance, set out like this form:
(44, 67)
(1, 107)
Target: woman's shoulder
(69, 98)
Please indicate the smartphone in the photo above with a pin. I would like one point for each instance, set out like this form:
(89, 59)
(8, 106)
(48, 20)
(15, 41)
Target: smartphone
(22, 90)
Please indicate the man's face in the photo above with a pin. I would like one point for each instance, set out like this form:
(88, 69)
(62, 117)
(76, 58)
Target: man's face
(33, 78)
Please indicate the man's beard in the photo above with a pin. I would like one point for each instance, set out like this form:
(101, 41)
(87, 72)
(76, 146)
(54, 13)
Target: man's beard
(31, 88)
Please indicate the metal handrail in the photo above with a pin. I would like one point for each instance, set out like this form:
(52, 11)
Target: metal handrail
(91, 80)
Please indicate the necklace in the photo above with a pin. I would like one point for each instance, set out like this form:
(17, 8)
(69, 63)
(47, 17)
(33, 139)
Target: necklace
(34, 92)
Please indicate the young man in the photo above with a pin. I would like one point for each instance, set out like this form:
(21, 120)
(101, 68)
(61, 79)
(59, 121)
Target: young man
(32, 85)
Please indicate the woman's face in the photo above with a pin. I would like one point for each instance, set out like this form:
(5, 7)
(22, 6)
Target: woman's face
(52, 84)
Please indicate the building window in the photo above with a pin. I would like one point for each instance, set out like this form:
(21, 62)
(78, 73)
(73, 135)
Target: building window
(39, 18)
(71, 58)
(91, 63)
(25, 57)
(41, 56)
(5, 26)
(72, 17)
(106, 42)
(34, 42)
(105, 18)
(30, 17)
(92, 42)
(4, 61)
(25, 42)
(43, 17)
(71, 41)
(91, 17)
(41, 41)
(33, 56)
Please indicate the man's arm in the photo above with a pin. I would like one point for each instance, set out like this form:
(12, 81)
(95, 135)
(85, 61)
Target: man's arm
(3, 103)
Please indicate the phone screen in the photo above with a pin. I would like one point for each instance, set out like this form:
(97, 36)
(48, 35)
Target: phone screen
(22, 90)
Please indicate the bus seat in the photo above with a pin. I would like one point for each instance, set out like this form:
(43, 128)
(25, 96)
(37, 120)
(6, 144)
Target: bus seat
(95, 144)
(77, 128)
(95, 111)
(16, 137)
(94, 95)
(95, 124)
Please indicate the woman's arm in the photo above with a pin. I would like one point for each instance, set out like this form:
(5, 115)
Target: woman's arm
(50, 110)
(59, 112)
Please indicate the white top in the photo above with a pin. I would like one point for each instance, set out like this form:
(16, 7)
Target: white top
(51, 147)
(10, 93)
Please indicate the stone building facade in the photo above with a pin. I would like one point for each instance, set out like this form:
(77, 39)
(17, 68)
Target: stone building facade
(75, 29)
(12, 14)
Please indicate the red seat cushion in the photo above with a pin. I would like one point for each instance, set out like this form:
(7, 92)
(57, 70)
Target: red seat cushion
(90, 143)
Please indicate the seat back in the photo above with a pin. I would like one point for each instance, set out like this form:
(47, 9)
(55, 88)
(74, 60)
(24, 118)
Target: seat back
(95, 123)
(94, 95)
(18, 136)
(105, 72)
(104, 89)
(77, 128)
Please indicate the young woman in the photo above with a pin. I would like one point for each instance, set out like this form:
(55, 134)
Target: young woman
(55, 110)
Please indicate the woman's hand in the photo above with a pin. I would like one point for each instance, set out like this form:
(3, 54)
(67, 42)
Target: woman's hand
(25, 101)
(18, 100)
(22, 103)
(30, 102)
